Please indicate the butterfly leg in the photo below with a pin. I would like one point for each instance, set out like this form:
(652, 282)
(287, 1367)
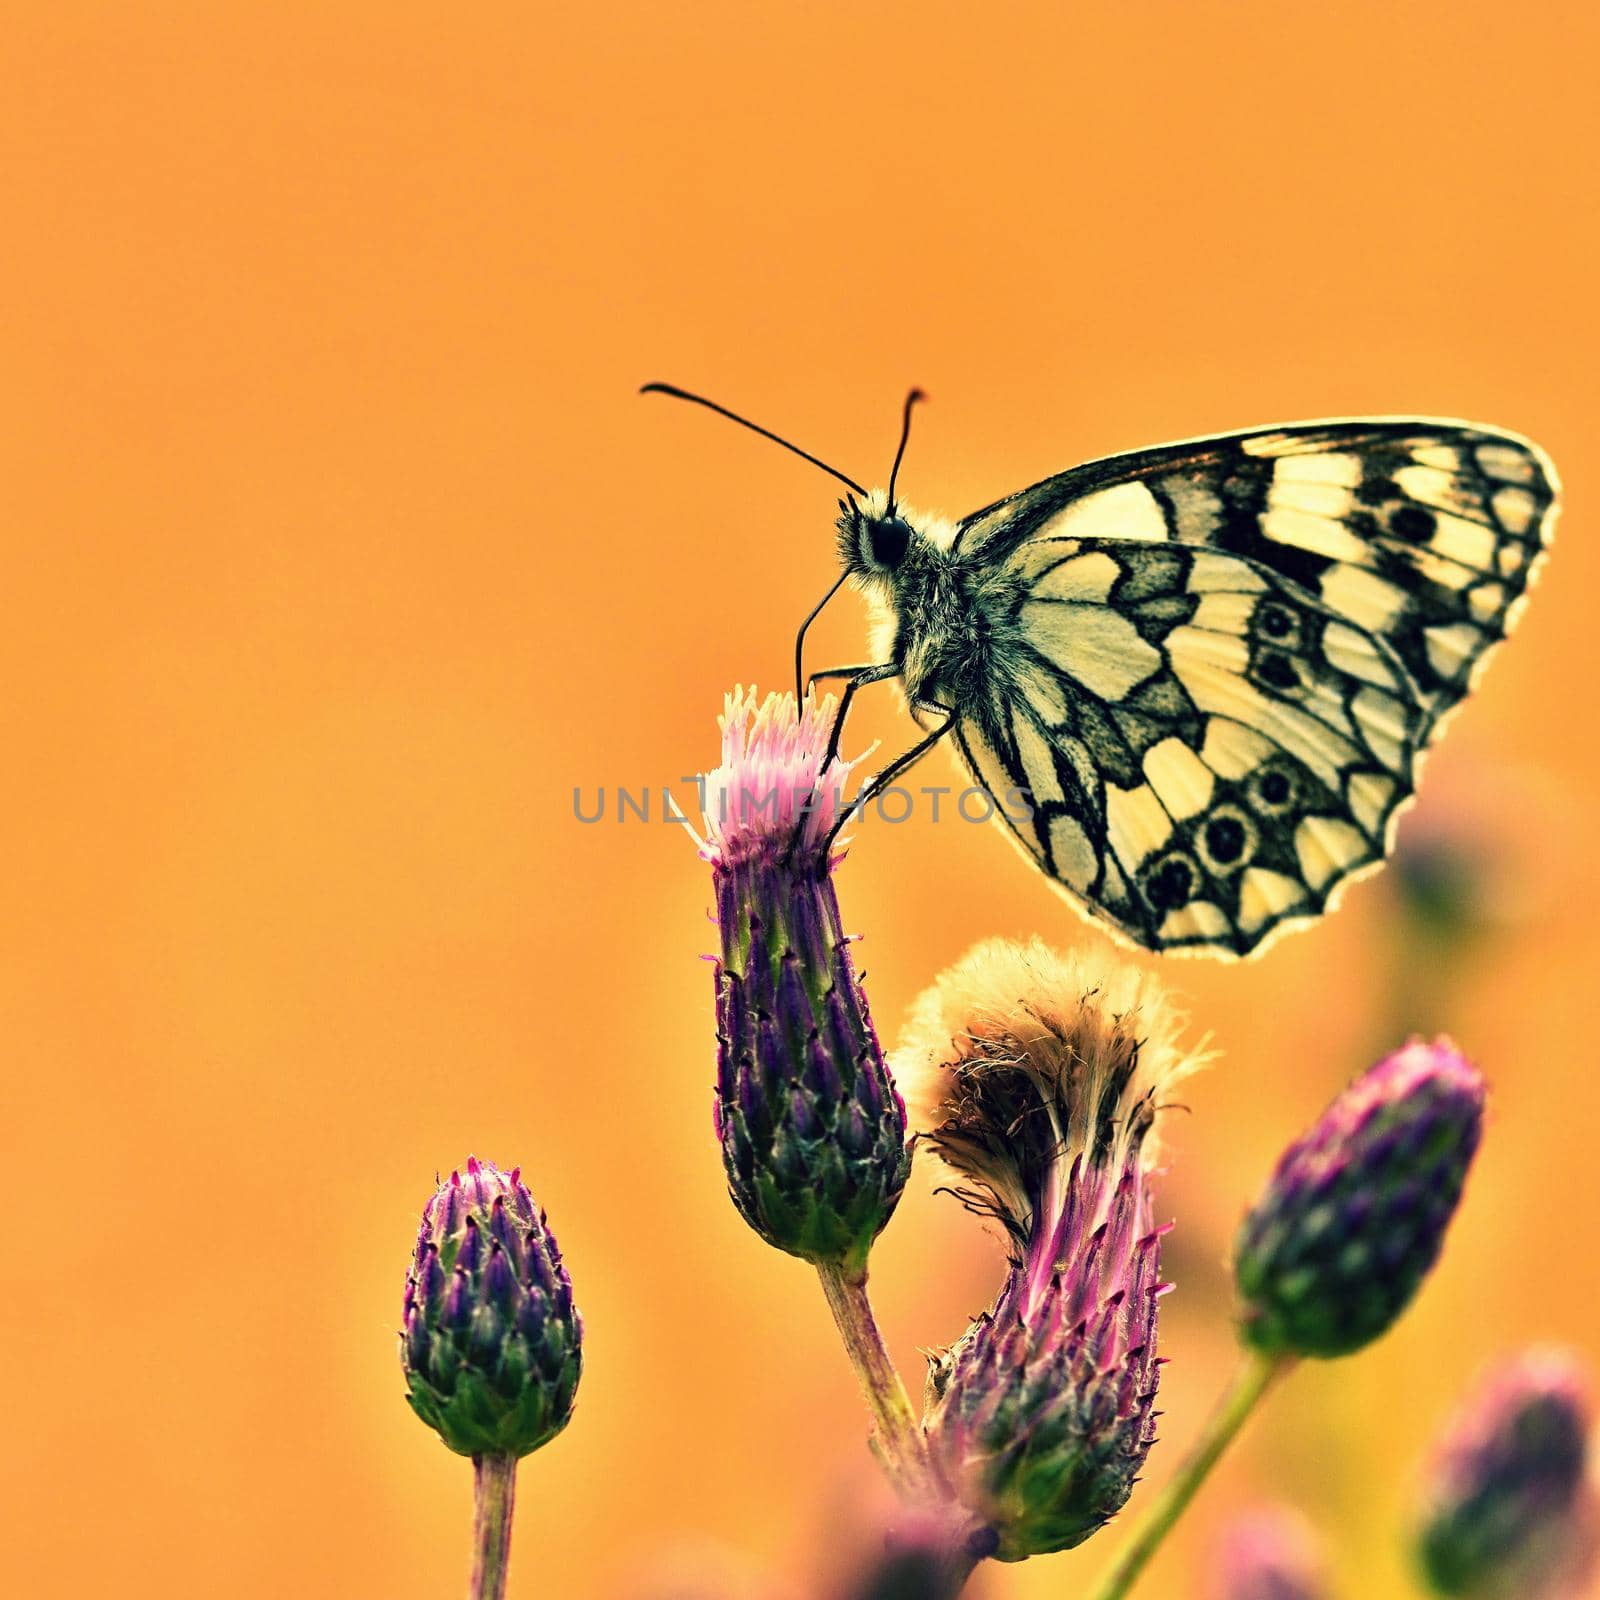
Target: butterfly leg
(855, 678)
(800, 638)
(840, 672)
(882, 780)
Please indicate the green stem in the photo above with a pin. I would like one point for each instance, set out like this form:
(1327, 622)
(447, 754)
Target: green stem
(1253, 1381)
(494, 1495)
(898, 1434)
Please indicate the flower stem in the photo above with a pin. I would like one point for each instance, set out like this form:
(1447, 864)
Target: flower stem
(1252, 1383)
(898, 1435)
(494, 1494)
(961, 1567)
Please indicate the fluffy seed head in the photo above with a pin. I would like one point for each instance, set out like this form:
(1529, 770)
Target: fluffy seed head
(1039, 1080)
(1022, 1059)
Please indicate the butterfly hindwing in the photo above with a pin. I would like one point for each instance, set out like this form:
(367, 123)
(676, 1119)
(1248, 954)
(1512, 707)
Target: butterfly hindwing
(1207, 750)
(1422, 532)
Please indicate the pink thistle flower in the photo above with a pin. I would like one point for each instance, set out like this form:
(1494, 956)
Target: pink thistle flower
(1041, 1079)
(776, 791)
(813, 1133)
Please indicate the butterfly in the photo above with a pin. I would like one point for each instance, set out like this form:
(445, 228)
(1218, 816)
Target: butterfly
(1211, 667)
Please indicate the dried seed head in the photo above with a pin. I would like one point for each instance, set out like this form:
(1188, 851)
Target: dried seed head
(1040, 1078)
(1021, 1059)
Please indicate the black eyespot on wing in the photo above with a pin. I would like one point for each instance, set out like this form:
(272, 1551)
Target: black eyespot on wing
(1225, 840)
(1277, 622)
(1272, 790)
(1278, 671)
(1413, 523)
(1170, 882)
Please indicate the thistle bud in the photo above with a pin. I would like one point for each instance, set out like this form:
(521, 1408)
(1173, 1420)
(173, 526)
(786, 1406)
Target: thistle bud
(1355, 1214)
(813, 1133)
(1505, 1510)
(1040, 1082)
(491, 1342)
(1268, 1554)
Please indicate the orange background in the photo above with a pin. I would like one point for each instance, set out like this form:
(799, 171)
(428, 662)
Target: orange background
(339, 550)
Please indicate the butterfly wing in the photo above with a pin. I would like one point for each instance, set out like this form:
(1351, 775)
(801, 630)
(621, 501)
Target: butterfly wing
(1424, 532)
(1209, 752)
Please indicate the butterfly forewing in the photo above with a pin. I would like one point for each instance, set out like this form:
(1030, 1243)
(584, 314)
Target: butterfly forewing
(1426, 533)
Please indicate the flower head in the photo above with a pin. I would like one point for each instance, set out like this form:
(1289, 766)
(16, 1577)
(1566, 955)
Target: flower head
(1020, 1060)
(1041, 1081)
(1505, 1510)
(1268, 1554)
(777, 791)
(813, 1134)
(1354, 1216)
(491, 1341)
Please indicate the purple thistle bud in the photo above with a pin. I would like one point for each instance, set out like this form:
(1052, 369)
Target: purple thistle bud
(1043, 1080)
(1355, 1214)
(1268, 1554)
(491, 1343)
(1506, 1512)
(813, 1134)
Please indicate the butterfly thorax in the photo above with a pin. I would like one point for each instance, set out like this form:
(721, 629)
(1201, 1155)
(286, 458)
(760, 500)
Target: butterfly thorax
(947, 625)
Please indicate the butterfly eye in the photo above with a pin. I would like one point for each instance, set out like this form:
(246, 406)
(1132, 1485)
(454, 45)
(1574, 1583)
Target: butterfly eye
(887, 542)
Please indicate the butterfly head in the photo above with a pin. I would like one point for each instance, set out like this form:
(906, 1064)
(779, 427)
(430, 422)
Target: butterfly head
(875, 539)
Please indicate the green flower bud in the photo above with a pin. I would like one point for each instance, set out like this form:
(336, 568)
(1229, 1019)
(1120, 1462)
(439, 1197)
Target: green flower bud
(1354, 1217)
(491, 1341)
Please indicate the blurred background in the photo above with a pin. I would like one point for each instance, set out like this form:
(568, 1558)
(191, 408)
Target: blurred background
(340, 552)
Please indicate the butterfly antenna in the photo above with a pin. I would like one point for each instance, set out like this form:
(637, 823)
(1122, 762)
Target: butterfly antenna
(754, 427)
(905, 437)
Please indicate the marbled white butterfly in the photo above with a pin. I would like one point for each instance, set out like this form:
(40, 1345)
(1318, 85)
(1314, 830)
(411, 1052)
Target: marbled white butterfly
(1211, 666)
